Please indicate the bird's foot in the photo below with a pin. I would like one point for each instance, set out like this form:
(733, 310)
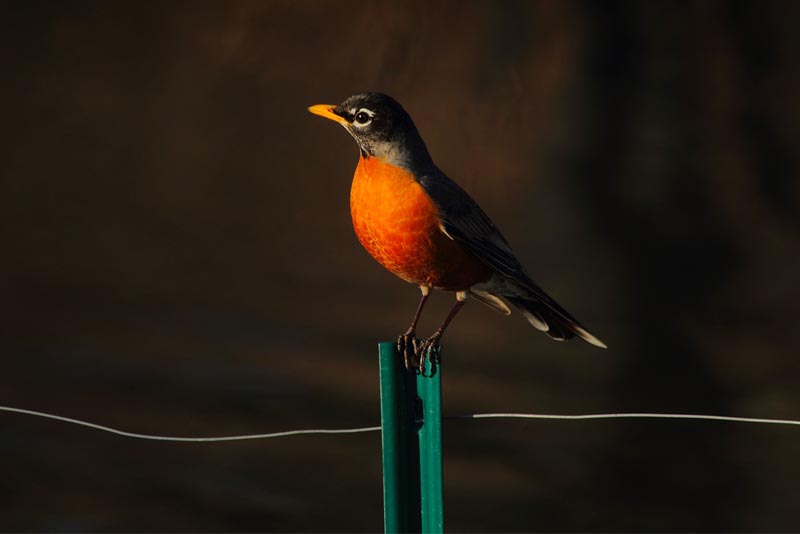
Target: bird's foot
(429, 349)
(407, 345)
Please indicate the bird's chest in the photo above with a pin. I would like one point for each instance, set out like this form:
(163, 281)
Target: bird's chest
(396, 221)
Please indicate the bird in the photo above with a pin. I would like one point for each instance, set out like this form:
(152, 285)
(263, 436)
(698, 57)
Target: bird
(423, 227)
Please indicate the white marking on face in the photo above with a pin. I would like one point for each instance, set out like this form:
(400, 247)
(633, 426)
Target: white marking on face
(362, 117)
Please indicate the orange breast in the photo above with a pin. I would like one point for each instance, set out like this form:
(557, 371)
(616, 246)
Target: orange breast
(398, 224)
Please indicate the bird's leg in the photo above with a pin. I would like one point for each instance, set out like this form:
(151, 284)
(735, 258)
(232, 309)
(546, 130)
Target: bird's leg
(429, 348)
(407, 343)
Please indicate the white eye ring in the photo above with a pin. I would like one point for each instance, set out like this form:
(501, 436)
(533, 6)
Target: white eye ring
(362, 117)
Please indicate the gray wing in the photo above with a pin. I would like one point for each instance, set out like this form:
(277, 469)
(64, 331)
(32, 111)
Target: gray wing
(465, 222)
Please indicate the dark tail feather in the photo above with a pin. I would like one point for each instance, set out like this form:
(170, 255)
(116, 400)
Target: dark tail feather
(556, 323)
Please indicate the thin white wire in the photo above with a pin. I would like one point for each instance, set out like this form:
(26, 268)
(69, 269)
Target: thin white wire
(377, 428)
(626, 416)
(176, 438)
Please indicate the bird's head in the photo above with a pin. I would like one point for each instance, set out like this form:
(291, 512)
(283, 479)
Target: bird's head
(381, 127)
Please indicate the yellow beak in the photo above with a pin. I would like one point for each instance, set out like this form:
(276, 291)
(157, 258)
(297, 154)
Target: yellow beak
(326, 110)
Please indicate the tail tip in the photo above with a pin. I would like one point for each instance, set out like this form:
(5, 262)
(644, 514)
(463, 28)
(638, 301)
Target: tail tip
(535, 320)
(589, 338)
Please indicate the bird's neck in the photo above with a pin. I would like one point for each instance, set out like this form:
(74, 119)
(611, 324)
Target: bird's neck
(409, 153)
(413, 158)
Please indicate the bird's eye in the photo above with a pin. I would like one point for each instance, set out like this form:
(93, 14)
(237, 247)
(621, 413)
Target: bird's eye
(362, 117)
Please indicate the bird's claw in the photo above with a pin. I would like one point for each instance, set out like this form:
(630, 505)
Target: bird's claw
(407, 345)
(416, 352)
(429, 349)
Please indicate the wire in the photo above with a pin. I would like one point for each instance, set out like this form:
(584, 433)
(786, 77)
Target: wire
(626, 416)
(176, 438)
(377, 428)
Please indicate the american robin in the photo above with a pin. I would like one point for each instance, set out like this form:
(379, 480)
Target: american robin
(424, 228)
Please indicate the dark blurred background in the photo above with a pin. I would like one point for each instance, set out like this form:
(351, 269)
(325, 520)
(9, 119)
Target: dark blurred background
(177, 258)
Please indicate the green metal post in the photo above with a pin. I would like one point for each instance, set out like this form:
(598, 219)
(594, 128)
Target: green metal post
(429, 389)
(411, 423)
(401, 508)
